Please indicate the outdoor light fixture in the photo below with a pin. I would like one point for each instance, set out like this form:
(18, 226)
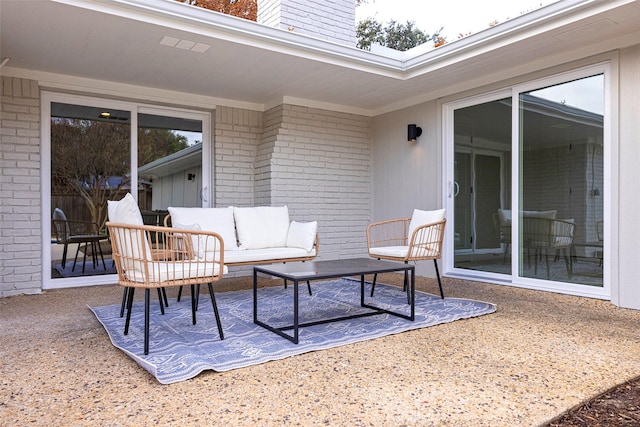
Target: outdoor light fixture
(413, 132)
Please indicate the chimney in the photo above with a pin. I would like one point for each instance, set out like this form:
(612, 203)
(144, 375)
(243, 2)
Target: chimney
(332, 20)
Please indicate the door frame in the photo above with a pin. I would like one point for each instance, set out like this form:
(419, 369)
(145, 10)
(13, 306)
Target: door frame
(45, 167)
(610, 193)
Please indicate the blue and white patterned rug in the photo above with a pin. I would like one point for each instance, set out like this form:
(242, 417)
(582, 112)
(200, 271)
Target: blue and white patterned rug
(179, 350)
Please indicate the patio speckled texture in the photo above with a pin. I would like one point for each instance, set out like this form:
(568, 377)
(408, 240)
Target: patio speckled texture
(537, 356)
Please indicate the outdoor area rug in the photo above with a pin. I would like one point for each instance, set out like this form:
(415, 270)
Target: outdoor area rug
(179, 350)
(89, 268)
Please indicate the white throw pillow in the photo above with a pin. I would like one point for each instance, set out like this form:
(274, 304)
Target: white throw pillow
(219, 220)
(196, 240)
(424, 217)
(262, 227)
(302, 235)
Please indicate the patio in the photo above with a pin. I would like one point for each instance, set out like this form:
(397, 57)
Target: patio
(537, 356)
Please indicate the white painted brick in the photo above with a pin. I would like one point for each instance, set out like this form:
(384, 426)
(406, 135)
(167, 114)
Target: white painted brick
(20, 222)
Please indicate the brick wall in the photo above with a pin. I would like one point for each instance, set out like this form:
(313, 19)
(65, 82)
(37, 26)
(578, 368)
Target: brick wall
(237, 136)
(317, 162)
(329, 20)
(321, 168)
(20, 216)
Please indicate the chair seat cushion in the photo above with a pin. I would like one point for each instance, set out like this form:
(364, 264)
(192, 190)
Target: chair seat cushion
(390, 251)
(162, 271)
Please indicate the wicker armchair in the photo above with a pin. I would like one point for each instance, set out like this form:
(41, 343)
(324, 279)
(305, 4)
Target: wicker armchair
(408, 239)
(177, 257)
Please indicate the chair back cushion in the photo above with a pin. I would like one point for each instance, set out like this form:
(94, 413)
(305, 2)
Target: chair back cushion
(134, 243)
(262, 227)
(420, 218)
(218, 220)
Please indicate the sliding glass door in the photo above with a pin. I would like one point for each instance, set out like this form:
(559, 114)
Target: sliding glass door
(548, 230)
(101, 150)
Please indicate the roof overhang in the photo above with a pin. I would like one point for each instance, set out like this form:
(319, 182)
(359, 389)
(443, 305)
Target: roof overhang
(164, 45)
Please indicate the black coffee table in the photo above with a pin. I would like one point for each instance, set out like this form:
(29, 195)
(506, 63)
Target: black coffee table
(297, 272)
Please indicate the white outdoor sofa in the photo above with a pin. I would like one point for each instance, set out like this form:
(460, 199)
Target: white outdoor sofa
(252, 235)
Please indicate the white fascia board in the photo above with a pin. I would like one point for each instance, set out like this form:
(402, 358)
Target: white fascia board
(512, 31)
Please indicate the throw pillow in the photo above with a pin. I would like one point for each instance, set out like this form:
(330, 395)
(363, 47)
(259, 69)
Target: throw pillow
(302, 235)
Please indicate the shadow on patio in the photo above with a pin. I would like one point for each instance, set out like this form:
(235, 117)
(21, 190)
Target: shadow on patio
(537, 356)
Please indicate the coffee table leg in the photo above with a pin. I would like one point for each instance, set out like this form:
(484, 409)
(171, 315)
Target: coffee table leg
(295, 311)
(255, 296)
(413, 294)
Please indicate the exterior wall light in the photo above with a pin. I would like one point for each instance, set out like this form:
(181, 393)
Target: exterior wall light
(413, 132)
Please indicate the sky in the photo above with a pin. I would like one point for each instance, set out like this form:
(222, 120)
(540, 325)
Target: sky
(456, 16)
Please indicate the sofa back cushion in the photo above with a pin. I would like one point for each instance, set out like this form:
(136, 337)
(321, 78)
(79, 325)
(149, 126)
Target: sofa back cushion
(262, 227)
(219, 220)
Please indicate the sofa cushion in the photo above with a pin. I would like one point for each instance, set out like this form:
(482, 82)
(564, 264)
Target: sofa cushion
(219, 220)
(262, 227)
(261, 255)
(302, 235)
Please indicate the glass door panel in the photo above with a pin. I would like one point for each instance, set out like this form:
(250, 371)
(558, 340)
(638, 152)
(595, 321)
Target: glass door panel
(90, 158)
(561, 180)
(482, 184)
(169, 164)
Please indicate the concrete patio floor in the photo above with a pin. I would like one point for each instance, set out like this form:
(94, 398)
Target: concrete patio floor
(537, 356)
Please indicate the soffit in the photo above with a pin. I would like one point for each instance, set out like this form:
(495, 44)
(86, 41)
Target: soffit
(119, 41)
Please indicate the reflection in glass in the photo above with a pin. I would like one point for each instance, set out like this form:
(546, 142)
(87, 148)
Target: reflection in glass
(169, 165)
(559, 189)
(561, 182)
(90, 158)
(482, 187)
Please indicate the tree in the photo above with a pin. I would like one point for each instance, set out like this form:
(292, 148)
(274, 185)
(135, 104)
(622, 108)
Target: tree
(395, 35)
(247, 9)
(86, 156)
